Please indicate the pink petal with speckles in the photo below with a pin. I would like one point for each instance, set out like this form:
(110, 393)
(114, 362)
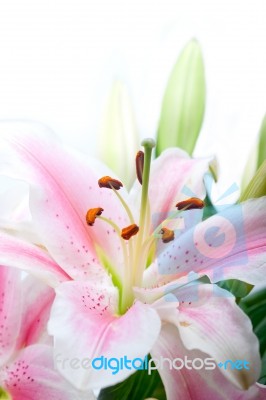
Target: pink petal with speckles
(10, 308)
(208, 319)
(37, 302)
(64, 186)
(85, 325)
(231, 244)
(192, 384)
(17, 253)
(31, 376)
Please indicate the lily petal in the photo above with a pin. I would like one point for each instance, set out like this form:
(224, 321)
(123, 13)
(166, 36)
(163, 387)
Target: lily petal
(64, 186)
(10, 307)
(230, 244)
(37, 302)
(85, 325)
(17, 253)
(15, 194)
(192, 384)
(32, 374)
(210, 320)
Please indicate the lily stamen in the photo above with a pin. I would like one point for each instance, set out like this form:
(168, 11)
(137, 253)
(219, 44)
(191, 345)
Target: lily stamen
(167, 235)
(92, 214)
(109, 183)
(137, 252)
(139, 165)
(114, 184)
(129, 231)
(124, 204)
(190, 204)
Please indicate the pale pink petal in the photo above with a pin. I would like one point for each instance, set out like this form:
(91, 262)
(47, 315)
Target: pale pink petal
(208, 319)
(231, 244)
(17, 253)
(85, 324)
(32, 376)
(10, 308)
(15, 194)
(195, 384)
(174, 177)
(15, 217)
(37, 302)
(64, 185)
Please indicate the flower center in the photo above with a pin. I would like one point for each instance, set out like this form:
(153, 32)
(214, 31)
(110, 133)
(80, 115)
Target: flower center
(137, 242)
(4, 395)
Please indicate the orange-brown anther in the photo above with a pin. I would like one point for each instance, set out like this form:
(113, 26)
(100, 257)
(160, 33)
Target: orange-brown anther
(167, 235)
(91, 215)
(129, 231)
(190, 204)
(139, 165)
(108, 182)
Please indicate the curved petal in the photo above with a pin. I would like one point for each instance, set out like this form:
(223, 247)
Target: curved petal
(10, 308)
(32, 374)
(37, 302)
(195, 384)
(85, 326)
(64, 185)
(174, 177)
(17, 253)
(15, 217)
(209, 320)
(231, 244)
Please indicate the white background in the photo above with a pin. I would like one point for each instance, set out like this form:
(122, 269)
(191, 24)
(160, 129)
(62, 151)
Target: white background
(59, 58)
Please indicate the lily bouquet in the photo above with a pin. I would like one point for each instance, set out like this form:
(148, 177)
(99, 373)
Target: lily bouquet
(126, 290)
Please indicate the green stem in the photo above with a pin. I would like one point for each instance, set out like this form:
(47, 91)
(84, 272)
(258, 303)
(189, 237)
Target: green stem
(124, 204)
(148, 145)
(126, 298)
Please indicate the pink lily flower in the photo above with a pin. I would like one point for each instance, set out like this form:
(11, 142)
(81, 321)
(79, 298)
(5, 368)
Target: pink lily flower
(197, 384)
(26, 356)
(108, 303)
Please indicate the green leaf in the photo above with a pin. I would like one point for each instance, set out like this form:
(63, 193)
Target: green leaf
(257, 185)
(254, 306)
(262, 143)
(138, 386)
(262, 379)
(209, 209)
(184, 102)
(238, 288)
